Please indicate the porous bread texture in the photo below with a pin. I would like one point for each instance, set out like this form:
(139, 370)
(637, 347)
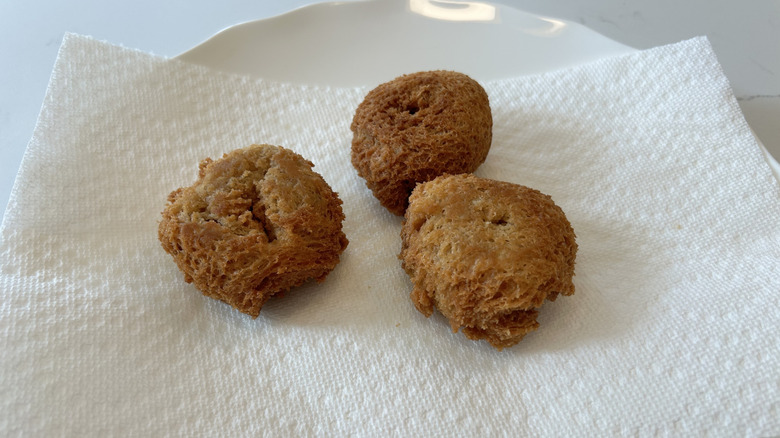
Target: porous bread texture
(257, 222)
(486, 254)
(417, 127)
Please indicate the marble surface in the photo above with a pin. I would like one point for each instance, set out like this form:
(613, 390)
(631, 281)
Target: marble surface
(743, 34)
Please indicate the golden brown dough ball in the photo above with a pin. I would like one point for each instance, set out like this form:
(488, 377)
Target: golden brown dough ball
(417, 127)
(486, 254)
(257, 222)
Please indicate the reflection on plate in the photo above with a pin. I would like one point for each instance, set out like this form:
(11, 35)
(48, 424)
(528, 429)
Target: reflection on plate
(335, 44)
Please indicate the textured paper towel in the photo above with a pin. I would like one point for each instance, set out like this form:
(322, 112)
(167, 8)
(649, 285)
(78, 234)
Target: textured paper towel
(673, 328)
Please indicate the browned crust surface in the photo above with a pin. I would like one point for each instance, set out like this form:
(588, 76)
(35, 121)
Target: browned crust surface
(486, 254)
(257, 221)
(417, 127)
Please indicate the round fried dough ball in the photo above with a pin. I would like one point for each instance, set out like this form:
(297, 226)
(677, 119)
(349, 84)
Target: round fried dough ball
(486, 254)
(417, 127)
(257, 221)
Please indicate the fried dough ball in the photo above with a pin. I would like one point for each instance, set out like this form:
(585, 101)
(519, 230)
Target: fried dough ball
(486, 254)
(417, 127)
(257, 222)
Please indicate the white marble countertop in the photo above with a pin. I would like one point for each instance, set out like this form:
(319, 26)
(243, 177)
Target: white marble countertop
(744, 35)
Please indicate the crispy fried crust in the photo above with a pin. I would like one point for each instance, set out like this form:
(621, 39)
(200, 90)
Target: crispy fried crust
(417, 127)
(487, 254)
(258, 221)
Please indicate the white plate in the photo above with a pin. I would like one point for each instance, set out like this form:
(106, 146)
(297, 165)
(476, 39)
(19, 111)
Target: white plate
(366, 43)
(363, 43)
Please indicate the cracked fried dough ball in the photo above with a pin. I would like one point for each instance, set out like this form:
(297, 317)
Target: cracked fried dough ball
(486, 254)
(257, 222)
(417, 127)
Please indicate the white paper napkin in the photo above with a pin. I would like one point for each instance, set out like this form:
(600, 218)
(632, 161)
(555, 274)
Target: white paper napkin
(673, 329)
